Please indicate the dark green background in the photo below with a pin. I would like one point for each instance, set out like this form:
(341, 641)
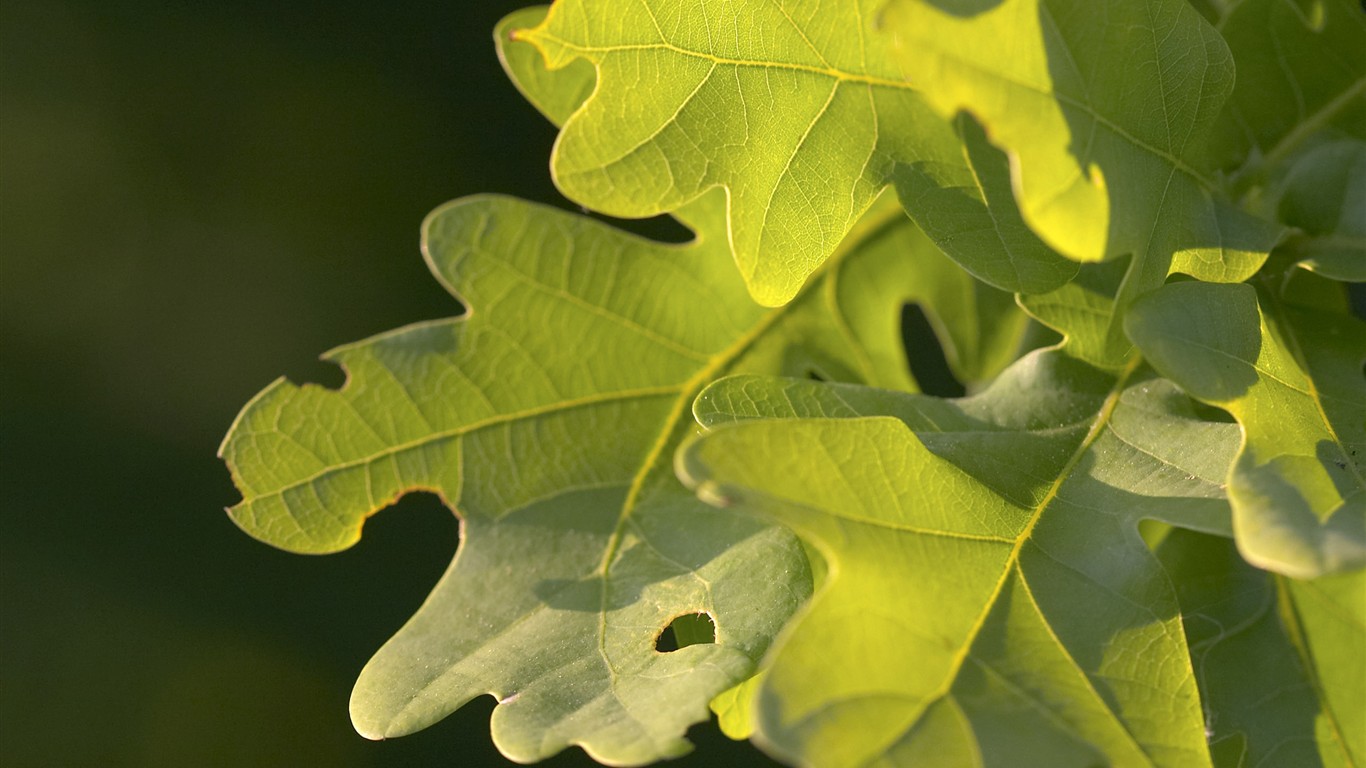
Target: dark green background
(196, 198)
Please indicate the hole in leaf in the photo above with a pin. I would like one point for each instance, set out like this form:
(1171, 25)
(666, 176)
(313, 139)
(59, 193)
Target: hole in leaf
(320, 372)
(683, 631)
(926, 356)
(1154, 532)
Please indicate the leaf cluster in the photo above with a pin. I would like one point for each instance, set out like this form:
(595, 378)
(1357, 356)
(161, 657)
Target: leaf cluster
(1138, 539)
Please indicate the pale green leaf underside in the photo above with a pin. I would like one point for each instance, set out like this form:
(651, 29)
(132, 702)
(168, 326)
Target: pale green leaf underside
(547, 417)
(550, 446)
(988, 595)
(1293, 379)
(1103, 108)
(1305, 700)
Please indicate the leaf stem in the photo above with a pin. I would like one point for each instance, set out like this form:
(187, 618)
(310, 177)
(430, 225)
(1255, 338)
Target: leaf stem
(1292, 140)
(1102, 419)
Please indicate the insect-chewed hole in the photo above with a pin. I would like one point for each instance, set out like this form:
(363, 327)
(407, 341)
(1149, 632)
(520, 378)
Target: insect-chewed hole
(1154, 532)
(683, 631)
(322, 373)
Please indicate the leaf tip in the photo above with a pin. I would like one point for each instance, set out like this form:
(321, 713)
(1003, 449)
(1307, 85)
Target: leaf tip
(710, 493)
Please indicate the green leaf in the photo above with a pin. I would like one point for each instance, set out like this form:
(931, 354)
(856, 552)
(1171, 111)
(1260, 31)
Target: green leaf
(578, 547)
(556, 93)
(555, 454)
(691, 98)
(979, 328)
(1327, 620)
(798, 112)
(983, 590)
(1324, 194)
(1104, 108)
(846, 325)
(546, 417)
(1292, 377)
(734, 709)
(1278, 661)
(1300, 73)
(988, 599)
(968, 209)
(1081, 312)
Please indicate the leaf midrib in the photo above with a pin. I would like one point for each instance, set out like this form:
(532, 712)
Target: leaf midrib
(1311, 123)
(1094, 114)
(873, 80)
(689, 391)
(1297, 636)
(1098, 426)
(467, 428)
(1296, 349)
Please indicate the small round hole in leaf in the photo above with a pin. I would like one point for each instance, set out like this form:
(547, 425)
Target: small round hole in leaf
(683, 631)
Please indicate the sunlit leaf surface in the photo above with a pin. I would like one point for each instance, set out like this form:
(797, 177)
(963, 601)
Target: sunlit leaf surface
(1104, 108)
(1293, 379)
(877, 576)
(547, 417)
(797, 110)
(988, 595)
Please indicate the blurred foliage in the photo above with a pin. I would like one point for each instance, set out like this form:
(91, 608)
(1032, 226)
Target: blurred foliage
(193, 200)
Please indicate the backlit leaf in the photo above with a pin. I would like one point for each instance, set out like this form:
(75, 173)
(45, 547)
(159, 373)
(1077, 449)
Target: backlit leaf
(797, 110)
(969, 211)
(1104, 107)
(853, 572)
(547, 417)
(783, 106)
(979, 327)
(988, 595)
(1278, 661)
(1293, 378)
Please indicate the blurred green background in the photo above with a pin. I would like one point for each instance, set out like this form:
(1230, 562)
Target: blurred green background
(197, 198)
